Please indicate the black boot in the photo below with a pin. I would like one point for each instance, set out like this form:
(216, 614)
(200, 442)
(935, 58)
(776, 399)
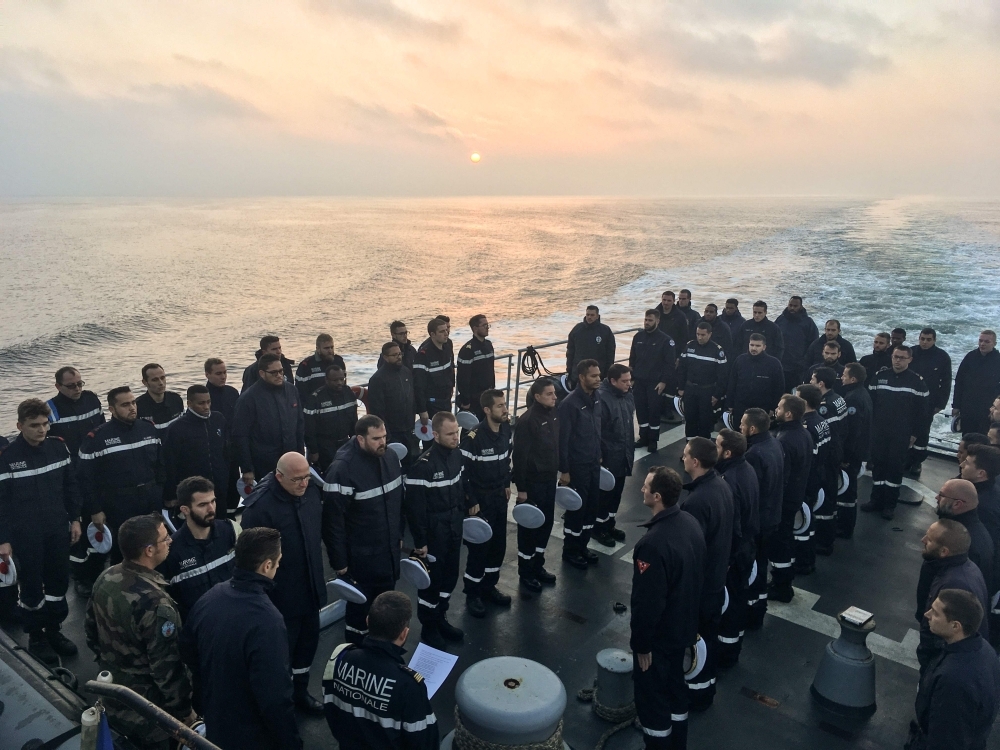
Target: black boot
(449, 631)
(779, 593)
(495, 596)
(430, 635)
(41, 649)
(475, 606)
(576, 560)
(530, 584)
(60, 643)
(304, 701)
(544, 576)
(604, 537)
(617, 534)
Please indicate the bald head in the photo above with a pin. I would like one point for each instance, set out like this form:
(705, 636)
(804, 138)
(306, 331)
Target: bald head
(957, 496)
(292, 472)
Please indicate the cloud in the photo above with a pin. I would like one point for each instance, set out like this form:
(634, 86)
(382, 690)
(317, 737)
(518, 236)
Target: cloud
(198, 100)
(388, 16)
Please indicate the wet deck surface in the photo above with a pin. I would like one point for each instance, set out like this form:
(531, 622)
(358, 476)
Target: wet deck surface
(762, 702)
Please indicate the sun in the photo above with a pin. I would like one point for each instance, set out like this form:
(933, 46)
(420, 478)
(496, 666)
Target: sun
(475, 158)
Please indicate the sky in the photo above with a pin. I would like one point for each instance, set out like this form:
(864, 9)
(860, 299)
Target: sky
(560, 97)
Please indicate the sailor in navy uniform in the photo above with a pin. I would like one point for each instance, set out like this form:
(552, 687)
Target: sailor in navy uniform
(475, 373)
(703, 375)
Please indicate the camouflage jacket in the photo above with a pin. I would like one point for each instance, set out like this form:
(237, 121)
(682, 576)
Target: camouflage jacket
(132, 626)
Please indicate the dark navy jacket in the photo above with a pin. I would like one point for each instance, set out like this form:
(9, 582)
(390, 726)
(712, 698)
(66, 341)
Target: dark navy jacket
(251, 375)
(311, 374)
(797, 445)
(268, 424)
(766, 328)
(330, 417)
(668, 571)
(235, 643)
(433, 376)
(120, 457)
(703, 365)
(579, 429)
(734, 321)
(900, 404)
(390, 396)
(38, 489)
(72, 420)
(934, 366)
(224, 400)
(834, 411)
(710, 501)
(195, 446)
(590, 341)
(958, 697)
(435, 498)
(955, 572)
(617, 429)
(486, 459)
(874, 362)
(755, 381)
(675, 325)
(373, 700)
(798, 331)
(474, 371)
(536, 447)
(815, 353)
(743, 483)
(977, 384)
(194, 566)
(765, 455)
(160, 415)
(362, 514)
(982, 552)
(653, 358)
(299, 585)
(722, 336)
(859, 423)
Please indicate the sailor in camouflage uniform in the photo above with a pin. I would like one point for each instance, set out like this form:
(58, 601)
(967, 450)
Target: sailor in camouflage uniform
(133, 625)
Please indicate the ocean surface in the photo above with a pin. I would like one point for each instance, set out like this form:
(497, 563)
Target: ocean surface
(109, 285)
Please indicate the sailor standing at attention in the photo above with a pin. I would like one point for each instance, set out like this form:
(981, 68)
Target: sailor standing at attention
(158, 406)
(590, 339)
(434, 371)
(536, 469)
(667, 578)
(703, 376)
(617, 448)
(74, 412)
(653, 361)
(436, 505)
(311, 371)
(475, 372)
(580, 461)
(486, 476)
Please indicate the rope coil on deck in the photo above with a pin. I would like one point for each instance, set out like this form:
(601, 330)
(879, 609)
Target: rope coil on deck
(622, 717)
(465, 740)
(531, 363)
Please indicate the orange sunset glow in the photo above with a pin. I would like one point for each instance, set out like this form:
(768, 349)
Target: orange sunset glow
(377, 96)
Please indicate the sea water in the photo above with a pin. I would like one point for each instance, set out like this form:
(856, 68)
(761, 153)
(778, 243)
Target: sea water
(109, 285)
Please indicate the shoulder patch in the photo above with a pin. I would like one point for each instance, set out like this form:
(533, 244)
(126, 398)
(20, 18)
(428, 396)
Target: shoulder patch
(851, 410)
(643, 566)
(822, 410)
(412, 672)
(168, 629)
(472, 434)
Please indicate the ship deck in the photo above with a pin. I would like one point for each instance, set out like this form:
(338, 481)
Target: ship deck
(762, 702)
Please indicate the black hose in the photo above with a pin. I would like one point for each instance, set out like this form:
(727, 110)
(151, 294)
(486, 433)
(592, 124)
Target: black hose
(532, 364)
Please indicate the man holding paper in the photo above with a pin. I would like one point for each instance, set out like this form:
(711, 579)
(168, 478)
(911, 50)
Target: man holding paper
(372, 698)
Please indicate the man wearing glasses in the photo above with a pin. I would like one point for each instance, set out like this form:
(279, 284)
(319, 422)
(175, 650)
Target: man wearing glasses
(288, 502)
(900, 404)
(73, 412)
(401, 336)
(268, 420)
(132, 626)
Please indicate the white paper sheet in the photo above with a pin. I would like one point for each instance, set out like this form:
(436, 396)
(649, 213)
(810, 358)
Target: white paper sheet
(433, 665)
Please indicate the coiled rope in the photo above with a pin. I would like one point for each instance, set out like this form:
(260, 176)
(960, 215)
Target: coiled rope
(531, 364)
(464, 740)
(622, 717)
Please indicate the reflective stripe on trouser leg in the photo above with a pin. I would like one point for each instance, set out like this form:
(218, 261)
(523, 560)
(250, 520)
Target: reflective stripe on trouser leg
(531, 543)
(847, 504)
(825, 518)
(780, 552)
(648, 408)
(888, 457)
(303, 640)
(702, 689)
(661, 700)
(579, 524)
(482, 566)
(734, 620)
(356, 615)
(757, 591)
(43, 577)
(610, 501)
(445, 543)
